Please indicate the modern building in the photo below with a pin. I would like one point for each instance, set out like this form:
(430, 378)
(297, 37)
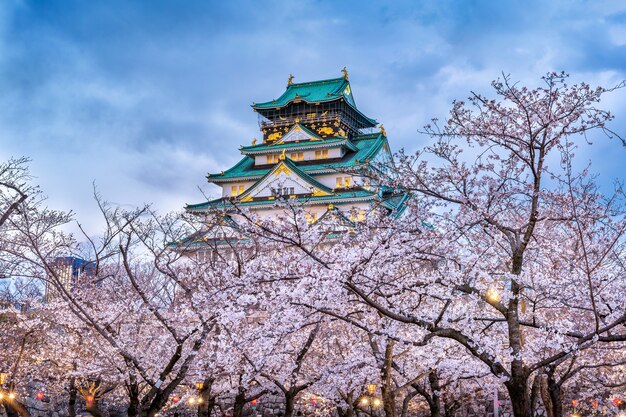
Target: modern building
(68, 270)
(316, 147)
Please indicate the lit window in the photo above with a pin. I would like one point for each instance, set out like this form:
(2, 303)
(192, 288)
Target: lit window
(297, 156)
(272, 159)
(236, 190)
(342, 182)
(320, 154)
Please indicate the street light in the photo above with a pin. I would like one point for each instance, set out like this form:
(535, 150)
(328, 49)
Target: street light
(370, 400)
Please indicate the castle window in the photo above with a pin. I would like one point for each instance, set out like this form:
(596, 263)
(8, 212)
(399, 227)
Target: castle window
(321, 154)
(343, 182)
(297, 156)
(236, 190)
(272, 159)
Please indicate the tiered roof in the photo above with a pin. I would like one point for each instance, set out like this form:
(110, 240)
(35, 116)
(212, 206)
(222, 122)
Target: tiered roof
(366, 148)
(358, 149)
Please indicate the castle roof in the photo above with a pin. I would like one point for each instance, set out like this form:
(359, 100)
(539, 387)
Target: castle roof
(366, 147)
(315, 92)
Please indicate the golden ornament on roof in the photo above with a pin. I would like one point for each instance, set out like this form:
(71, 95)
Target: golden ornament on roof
(290, 80)
(382, 130)
(345, 73)
(253, 141)
(282, 155)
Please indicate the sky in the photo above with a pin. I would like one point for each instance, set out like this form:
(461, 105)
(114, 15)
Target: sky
(144, 98)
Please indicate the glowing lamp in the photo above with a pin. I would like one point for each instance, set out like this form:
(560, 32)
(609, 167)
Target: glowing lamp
(493, 295)
(617, 402)
(200, 400)
(1, 396)
(40, 395)
(253, 402)
(199, 386)
(365, 401)
(175, 399)
(595, 404)
(191, 400)
(12, 396)
(575, 403)
(313, 401)
(89, 399)
(371, 388)
(377, 402)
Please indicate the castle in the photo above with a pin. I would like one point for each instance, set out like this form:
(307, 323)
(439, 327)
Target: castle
(315, 146)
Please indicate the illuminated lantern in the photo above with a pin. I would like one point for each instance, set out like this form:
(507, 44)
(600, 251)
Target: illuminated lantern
(253, 402)
(89, 399)
(595, 404)
(199, 386)
(175, 399)
(313, 401)
(40, 395)
(617, 402)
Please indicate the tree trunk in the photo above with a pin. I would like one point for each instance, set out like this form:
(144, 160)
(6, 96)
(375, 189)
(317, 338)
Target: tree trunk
(133, 399)
(519, 395)
(205, 407)
(405, 403)
(387, 389)
(545, 396)
(435, 402)
(71, 402)
(289, 404)
(240, 402)
(554, 390)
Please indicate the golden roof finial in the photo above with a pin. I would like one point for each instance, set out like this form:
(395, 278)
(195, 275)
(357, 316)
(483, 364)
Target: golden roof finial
(331, 207)
(345, 73)
(253, 141)
(282, 155)
(290, 80)
(382, 130)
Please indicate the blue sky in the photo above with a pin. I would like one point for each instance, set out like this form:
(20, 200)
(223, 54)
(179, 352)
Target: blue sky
(145, 98)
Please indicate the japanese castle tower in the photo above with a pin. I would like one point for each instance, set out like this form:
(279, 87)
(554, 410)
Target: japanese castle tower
(315, 142)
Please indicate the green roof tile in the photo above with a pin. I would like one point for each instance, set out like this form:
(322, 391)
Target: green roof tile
(367, 147)
(312, 92)
(335, 198)
(278, 147)
(315, 92)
